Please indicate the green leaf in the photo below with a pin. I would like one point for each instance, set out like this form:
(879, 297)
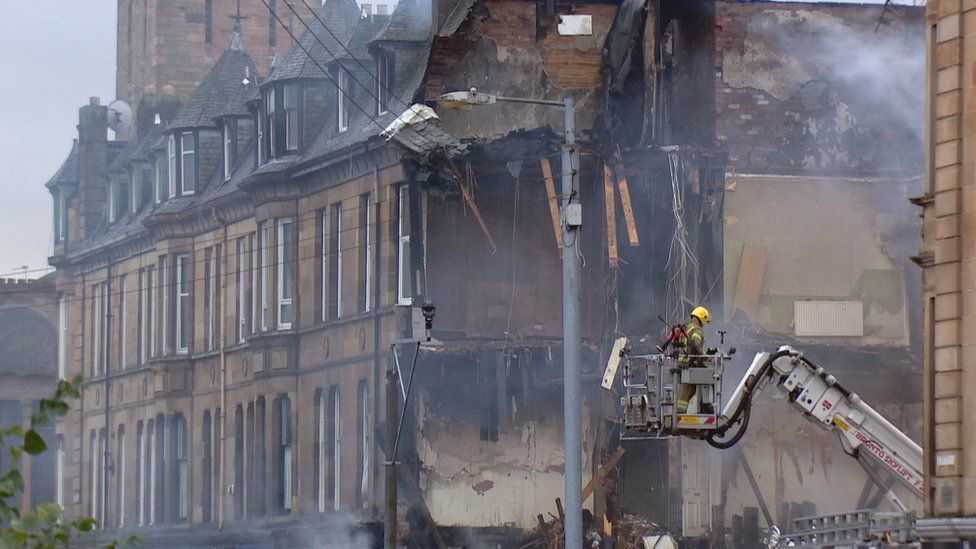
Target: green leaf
(39, 419)
(33, 443)
(85, 525)
(57, 407)
(12, 482)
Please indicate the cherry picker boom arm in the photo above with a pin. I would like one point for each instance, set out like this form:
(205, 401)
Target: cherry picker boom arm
(865, 434)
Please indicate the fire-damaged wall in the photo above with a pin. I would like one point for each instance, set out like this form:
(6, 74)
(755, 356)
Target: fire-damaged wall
(819, 86)
(519, 51)
(490, 435)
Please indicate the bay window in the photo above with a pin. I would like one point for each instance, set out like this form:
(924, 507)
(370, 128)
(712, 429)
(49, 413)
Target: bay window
(183, 317)
(404, 287)
(285, 241)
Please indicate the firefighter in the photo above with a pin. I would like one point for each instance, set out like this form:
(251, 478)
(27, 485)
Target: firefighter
(694, 346)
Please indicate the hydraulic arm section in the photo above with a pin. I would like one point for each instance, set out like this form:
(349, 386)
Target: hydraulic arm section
(864, 433)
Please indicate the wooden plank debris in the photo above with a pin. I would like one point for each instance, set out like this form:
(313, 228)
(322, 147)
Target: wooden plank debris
(467, 191)
(625, 202)
(601, 474)
(609, 202)
(748, 283)
(553, 199)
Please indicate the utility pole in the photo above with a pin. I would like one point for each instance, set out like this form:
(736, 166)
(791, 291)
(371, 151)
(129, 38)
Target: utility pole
(572, 220)
(572, 419)
(392, 399)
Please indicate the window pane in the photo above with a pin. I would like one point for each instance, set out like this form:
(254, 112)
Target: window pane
(188, 168)
(291, 117)
(171, 152)
(284, 273)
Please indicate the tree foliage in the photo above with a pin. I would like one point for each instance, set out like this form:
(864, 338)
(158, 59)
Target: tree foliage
(42, 526)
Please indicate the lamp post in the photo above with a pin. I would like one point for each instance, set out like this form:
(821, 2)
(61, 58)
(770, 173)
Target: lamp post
(571, 222)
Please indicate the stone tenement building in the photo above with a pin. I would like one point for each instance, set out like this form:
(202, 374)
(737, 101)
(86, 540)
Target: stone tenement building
(235, 274)
(31, 361)
(948, 257)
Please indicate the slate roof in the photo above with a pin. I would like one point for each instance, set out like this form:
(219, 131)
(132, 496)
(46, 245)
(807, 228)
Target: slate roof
(410, 22)
(342, 17)
(222, 84)
(67, 173)
(410, 63)
(366, 31)
(222, 93)
(124, 156)
(145, 149)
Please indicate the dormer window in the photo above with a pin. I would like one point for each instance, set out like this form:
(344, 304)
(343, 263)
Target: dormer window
(230, 146)
(118, 196)
(292, 117)
(182, 163)
(384, 82)
(171, 172)
(269, 117)
(342, 116)
(259, 129)
(159, 177)
(60, 216)
(143, 188)
(188, 164)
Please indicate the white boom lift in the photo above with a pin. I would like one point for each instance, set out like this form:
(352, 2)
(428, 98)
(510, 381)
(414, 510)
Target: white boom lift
(651, 382)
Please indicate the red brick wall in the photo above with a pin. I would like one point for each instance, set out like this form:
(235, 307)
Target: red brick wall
(163, 42)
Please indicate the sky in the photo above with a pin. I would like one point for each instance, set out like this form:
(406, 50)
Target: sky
(54, 55)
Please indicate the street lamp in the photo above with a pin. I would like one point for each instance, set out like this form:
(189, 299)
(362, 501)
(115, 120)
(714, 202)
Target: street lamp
(571, 222)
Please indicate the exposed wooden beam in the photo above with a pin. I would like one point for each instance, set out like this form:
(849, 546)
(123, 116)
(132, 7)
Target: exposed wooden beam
(611, 211)
(602, 473)
(628, 209)
(467, 191)
(553, 199)
(626, 203)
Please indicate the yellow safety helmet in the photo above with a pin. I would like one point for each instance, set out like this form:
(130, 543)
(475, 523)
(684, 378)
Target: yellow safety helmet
(701, 314)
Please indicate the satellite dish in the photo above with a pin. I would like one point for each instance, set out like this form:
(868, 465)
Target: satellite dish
(119, 116)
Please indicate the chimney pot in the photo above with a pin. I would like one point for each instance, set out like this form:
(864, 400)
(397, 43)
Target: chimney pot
(94, 101)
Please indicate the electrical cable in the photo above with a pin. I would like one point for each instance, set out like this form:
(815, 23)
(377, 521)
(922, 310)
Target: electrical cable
(347, 95)
(354, 58)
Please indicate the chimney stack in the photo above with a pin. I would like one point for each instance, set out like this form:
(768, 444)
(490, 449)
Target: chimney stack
(92, 163)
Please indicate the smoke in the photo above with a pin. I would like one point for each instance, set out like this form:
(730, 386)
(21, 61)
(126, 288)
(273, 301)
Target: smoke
(339, 530)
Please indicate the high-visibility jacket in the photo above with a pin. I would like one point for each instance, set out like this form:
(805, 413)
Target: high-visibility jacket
(694, 344)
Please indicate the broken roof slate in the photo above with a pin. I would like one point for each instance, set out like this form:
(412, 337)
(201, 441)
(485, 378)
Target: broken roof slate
(221, 85)
(342, 17)
(457, 17)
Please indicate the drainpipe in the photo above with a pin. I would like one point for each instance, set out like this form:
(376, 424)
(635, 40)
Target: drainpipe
(223, 377)
(377, 327)
(108, 386)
